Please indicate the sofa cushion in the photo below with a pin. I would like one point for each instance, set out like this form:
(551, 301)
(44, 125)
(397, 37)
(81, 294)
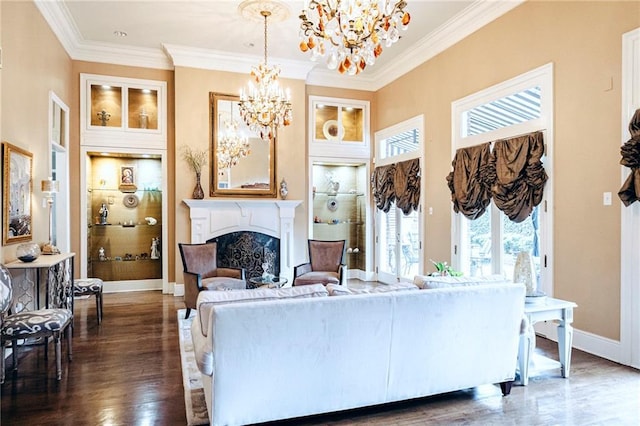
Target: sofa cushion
(429, 282)
(341, 290)
(315, 277)
(223, 283)
(208, 299)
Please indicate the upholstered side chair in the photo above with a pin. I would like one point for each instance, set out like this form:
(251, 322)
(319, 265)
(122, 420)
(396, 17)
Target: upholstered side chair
(32, 325)
(88, 287)
(201, 272)
(326, 264)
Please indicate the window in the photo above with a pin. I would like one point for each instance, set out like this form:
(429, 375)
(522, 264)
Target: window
(398, 242)
(491, 243)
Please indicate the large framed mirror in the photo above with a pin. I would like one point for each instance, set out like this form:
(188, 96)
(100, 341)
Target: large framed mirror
(242, 164)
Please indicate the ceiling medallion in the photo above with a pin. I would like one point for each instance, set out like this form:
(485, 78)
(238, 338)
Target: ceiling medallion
(265, 107)
(350, 33)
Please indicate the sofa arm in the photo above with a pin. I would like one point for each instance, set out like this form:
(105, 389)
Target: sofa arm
(231, 273)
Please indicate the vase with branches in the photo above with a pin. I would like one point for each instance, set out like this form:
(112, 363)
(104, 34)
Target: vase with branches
(196, 159)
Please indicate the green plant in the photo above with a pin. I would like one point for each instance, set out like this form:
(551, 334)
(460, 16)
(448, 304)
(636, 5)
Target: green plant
(444, 269)
(194, 157)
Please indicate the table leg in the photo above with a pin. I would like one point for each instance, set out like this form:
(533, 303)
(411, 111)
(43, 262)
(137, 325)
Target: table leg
(525, 348)
(565, 341)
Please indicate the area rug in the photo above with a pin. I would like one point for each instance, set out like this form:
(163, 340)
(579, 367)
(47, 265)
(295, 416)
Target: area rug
(194, 402)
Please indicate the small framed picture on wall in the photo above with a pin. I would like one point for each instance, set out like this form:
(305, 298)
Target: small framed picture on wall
(127, 179)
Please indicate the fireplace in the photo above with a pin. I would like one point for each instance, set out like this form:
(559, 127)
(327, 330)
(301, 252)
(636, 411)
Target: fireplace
(242, 226)
(249, 250)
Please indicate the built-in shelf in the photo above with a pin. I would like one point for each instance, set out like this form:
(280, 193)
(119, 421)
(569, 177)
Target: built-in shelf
(333, 194)
(339, 223)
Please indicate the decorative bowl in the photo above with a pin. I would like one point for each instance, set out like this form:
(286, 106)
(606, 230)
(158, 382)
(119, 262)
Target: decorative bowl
(28, 252)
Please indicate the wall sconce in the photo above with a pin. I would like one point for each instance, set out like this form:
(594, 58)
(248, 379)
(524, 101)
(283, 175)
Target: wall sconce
(49, 187)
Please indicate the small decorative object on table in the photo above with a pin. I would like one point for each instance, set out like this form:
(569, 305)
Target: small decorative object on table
(28, 252)
(196, 159)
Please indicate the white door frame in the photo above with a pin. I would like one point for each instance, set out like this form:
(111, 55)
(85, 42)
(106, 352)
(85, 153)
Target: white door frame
(630, 216)
(58, 148)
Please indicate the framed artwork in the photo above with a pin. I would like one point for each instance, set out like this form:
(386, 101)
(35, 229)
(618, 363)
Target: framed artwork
(127, 179)
(126, 175)
(17, 172)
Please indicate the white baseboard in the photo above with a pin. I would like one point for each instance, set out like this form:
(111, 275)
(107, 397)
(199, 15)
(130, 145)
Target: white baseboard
(178, 289)
(588, 342)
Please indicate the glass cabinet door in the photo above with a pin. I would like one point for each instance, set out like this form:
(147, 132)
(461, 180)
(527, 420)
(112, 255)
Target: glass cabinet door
(339, 127)
(106, 105)
(142, 109)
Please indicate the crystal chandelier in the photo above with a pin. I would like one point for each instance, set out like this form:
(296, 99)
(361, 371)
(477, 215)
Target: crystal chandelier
(350, 33)
(265, 107)
(231, 146)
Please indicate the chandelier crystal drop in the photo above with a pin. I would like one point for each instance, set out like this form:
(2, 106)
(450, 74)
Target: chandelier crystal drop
(350, 33)
(231, 146)
(264, 106)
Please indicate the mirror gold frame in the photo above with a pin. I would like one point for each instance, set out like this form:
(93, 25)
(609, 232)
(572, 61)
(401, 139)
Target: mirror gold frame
(254, 175)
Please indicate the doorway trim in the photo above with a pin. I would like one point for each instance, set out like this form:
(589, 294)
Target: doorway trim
(630, 216)
(132, 285)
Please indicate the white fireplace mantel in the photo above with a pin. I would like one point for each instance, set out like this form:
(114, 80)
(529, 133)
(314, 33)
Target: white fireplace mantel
(211, 218)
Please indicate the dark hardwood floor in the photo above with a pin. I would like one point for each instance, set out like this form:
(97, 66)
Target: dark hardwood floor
(127, 372)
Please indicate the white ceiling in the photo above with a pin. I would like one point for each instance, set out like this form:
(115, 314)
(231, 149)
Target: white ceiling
(213, 35)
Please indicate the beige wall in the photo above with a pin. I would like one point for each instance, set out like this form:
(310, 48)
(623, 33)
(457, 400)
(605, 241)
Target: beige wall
(33, 63)
(583, 40)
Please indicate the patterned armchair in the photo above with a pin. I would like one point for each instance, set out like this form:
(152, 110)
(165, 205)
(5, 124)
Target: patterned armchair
(41, 323)
(326, 264)
(201, 272)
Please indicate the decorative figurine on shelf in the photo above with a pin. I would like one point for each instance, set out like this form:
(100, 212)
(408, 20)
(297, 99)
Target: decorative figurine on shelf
(284, 191)
(144, 119)
(103, 116)
(101, 255)
(155, 253)
(104, 212)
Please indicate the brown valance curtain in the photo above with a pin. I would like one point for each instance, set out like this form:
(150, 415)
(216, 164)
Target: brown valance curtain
(630, 151)
(512, 174)
(470, 180)
(519, 175)
(399, 182)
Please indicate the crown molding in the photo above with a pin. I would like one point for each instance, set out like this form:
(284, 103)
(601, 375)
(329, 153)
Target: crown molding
(184, 56)
(474, 17)
(61, 23)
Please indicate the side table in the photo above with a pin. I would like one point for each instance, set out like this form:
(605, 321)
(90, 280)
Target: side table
(58, 281)
(547, 310)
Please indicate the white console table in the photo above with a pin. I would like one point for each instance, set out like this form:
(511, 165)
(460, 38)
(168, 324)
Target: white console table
(548, 310)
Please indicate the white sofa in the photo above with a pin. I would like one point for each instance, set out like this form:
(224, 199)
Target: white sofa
(277, 357)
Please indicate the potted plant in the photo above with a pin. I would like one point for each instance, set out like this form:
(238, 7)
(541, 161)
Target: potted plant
(442, 269)
(195, 158)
